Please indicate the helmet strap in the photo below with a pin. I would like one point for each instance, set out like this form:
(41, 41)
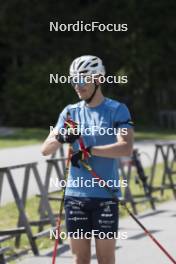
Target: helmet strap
(93, 94)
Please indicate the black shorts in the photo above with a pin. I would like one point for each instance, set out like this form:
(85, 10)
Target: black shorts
(91, 217)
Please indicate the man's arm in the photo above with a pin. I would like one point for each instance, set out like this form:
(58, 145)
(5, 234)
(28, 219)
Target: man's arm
(123, 147)
(51, 144)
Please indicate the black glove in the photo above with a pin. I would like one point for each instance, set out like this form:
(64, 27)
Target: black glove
(80, 155)
(67, 138)
(70, 136)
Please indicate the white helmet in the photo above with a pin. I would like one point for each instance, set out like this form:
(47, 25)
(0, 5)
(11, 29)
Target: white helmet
(87, 65)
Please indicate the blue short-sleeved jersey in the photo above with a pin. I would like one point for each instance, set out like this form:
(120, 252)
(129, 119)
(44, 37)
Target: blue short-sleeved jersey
(97, 124)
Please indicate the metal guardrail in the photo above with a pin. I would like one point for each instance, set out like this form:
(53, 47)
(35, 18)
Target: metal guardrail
(24, 225)
(167, 180)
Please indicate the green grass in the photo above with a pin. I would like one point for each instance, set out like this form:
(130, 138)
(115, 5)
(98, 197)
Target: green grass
(9, 212)
(31, 136)
(154, 133)
(23, 137)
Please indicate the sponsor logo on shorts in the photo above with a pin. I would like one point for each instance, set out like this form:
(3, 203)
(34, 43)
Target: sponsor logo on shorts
(106, 203)
(107, 209)
(106, 215)
(106, 221)
(77, 218)
(77, 213)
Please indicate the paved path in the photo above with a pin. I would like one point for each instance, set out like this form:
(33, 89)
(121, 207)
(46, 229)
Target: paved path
(137, 248)
(14, 156)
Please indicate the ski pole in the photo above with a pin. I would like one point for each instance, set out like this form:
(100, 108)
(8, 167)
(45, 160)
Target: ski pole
(123, 203)
(58, 222)
(147, 232)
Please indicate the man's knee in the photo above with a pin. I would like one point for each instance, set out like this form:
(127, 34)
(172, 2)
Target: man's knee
(81, 251)
(104, 259)
(82, 258)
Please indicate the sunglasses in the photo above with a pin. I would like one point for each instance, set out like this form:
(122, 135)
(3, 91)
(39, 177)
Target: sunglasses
(80, 81)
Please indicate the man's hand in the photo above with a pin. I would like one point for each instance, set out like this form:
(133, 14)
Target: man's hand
(50, 144)
(67, 138)
(79, 156)
(71, 132)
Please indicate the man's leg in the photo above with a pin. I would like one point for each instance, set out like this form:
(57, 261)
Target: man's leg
(81, 250)
(105, 223)
(105, 250)
(78, 222)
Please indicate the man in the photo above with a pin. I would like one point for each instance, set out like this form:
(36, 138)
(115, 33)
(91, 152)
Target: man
(90, 207)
